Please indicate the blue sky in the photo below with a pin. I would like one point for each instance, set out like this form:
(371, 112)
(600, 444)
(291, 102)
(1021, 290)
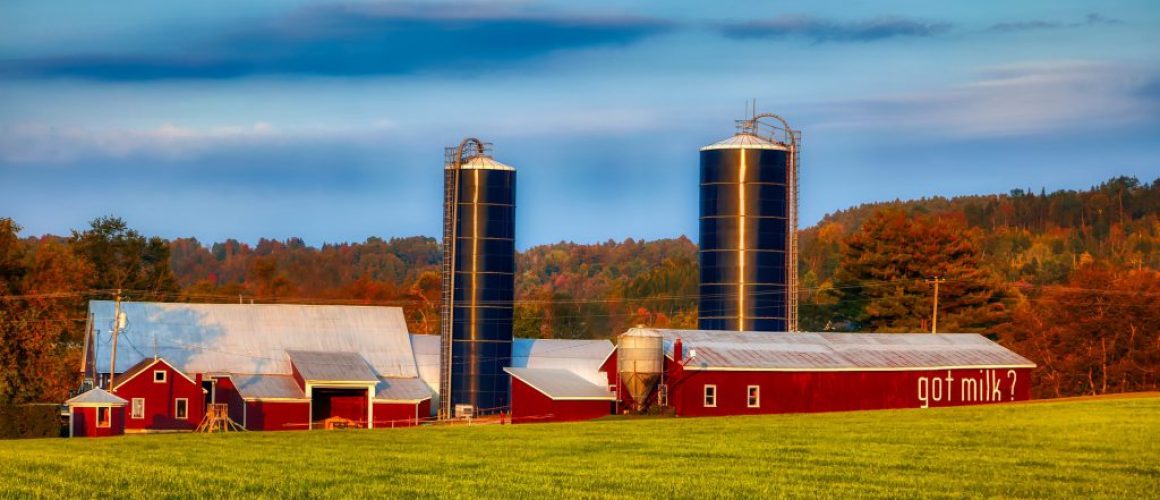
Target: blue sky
(327, 120)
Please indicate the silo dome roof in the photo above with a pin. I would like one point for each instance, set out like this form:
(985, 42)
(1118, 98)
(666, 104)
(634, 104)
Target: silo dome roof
(481, 162)
(744, 140)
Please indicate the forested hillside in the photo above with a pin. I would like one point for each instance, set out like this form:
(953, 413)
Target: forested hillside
(1068, 279)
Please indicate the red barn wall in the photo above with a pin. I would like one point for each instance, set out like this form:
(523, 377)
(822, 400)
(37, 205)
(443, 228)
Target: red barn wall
(277, 415)
(797, 392)
(227, 393)
(391, 414)
(530, 405)
(84, 422)
(160, 398)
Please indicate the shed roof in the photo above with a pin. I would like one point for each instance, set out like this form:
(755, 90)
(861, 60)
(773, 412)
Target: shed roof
(582, 357)
(402, 389)
(96, 397)
(561, 384)
(331, 366)
(249, 338)
(782, 351)
(268, 387)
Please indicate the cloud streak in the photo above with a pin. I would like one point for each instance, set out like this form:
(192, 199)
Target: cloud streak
(1093, 19)
(821, 30)
(1010, 101)
(358, 40)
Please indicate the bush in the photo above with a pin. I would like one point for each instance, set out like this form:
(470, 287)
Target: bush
(29, 421)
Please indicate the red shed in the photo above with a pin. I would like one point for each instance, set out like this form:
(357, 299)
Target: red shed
(96, 413)
(733, 373)
(555, 395)
(161, 397)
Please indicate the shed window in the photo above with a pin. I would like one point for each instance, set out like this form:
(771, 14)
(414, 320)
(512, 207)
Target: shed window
(181, 408)
(754, 392)
(159, 376)
(710, 396)
(104, 416)
(138, 408)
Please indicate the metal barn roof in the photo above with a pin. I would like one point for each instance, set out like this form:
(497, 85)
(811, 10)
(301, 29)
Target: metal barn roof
(96, 397)
(331, 366)
(782, 351)
(426, 349)
(268, 387)
(402, 389)
(745, 141)
(582, 357)
(561, 384)
(247, 338)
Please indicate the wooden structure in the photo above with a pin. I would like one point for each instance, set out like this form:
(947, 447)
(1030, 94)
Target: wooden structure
(217, 419)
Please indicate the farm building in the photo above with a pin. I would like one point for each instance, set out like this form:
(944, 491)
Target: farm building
(160, 397)
(278, 367)
(707, 373)
(96, 413)
(556, 380)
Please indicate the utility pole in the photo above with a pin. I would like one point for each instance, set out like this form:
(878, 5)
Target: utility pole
(116, 330)
(934, 310)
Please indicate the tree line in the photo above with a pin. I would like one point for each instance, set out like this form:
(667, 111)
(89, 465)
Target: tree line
(1068, 279)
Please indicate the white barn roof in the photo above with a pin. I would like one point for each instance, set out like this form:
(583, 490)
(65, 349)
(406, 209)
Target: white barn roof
(561, 384)
(268, 387)
(581, 357)
(96, 397)
(782, 351)
(402, 389)
(247, 338)
(331, 366)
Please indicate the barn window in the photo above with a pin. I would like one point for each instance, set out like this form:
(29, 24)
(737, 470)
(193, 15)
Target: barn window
(181, 408)
(138, 408)
(104, 416)
(159, 376)
(754, 396)
(710, 396)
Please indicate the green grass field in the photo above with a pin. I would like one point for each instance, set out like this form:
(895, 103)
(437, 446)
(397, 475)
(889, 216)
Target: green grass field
(1072, 449)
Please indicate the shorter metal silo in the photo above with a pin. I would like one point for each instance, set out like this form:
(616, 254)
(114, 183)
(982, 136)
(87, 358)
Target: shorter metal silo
(640, 362)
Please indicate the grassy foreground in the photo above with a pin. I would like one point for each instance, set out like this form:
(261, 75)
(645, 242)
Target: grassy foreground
(1074, 449)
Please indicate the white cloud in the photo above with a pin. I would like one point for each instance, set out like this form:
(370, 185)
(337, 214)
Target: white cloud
(1011, 100)
(39, 143)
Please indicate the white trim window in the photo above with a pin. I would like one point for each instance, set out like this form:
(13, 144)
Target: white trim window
(138, 411)
(160, 376)
(710, 396)
(753, 394)
(181, 408)
(104, 417)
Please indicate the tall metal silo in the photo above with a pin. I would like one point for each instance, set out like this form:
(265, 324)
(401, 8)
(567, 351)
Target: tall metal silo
(478, 280)
(748, 228)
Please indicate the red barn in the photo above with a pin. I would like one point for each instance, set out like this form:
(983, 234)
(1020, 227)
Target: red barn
(96, 413)
(277, 366)
(554, 395)
(161, 397)
(736, 373)
(556, 380)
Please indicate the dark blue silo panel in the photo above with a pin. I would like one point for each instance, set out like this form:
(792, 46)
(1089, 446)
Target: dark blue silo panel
(743, 243)
(484, 288)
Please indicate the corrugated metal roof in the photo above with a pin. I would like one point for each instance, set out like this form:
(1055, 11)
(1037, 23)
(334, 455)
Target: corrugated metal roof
(838, 351)
(561, 384)
(96, 397)
(247, 338)
(402, 389)
(482, 163)
(745, 141)
(582, 357)
(268, 387)
(426, 349)
(331, 366)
